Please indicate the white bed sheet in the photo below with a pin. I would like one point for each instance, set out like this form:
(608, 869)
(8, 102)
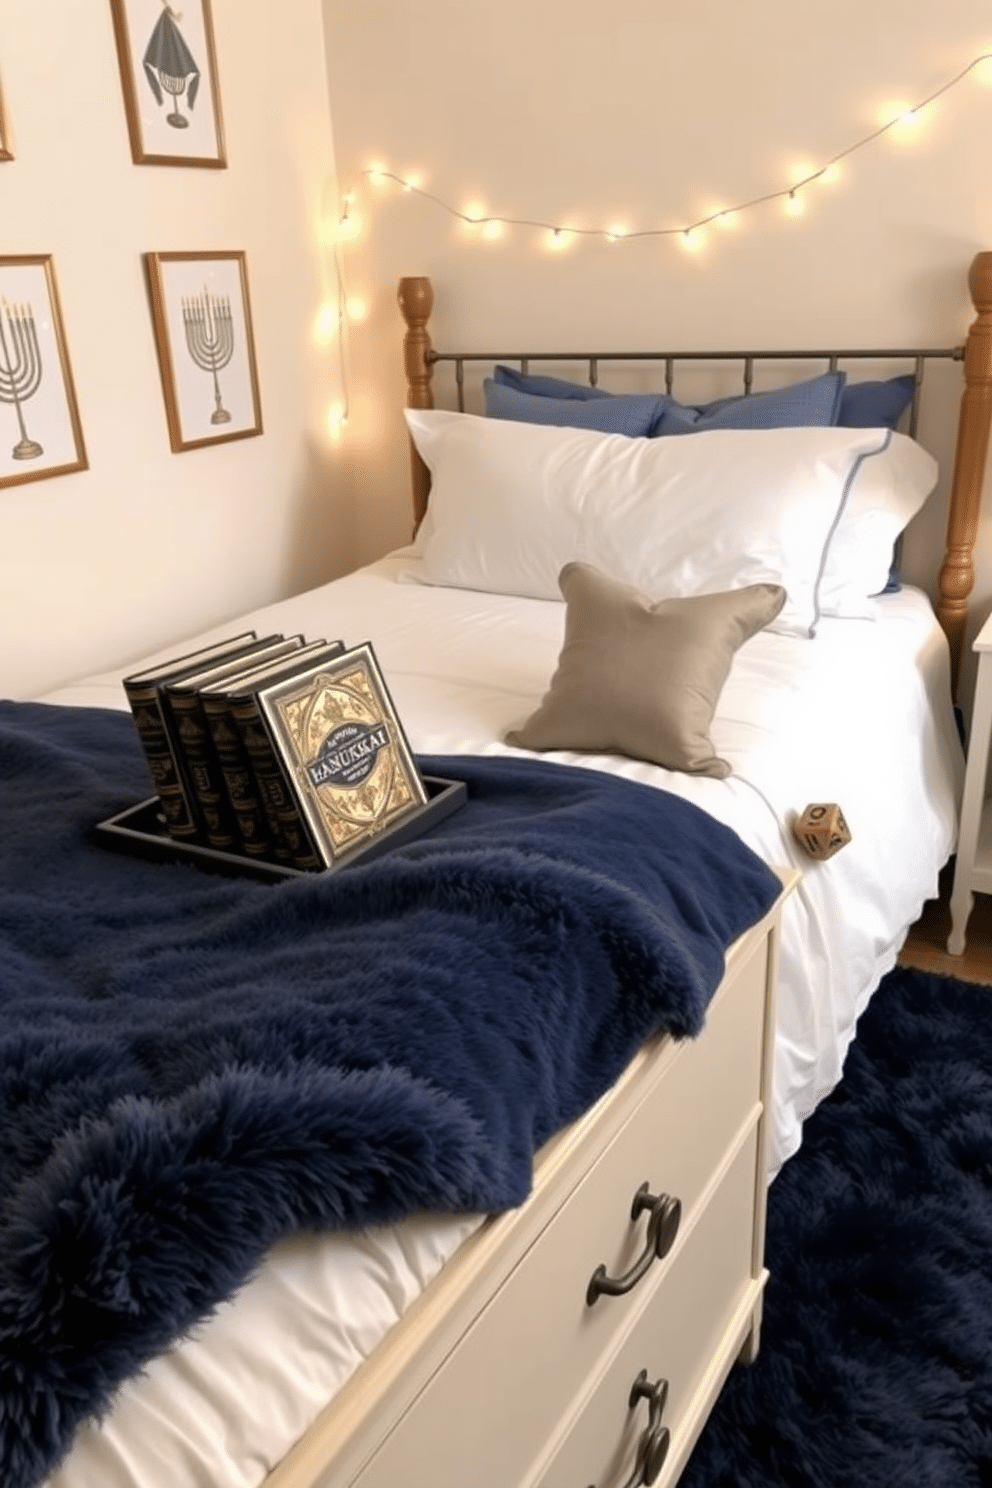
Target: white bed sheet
(861, 715)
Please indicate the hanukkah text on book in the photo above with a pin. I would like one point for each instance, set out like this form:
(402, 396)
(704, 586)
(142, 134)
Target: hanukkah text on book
(347, 758)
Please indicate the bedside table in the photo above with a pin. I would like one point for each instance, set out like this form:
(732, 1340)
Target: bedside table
(973, 869)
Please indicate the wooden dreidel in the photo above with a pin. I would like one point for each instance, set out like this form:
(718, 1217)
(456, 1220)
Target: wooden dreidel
(821, 829)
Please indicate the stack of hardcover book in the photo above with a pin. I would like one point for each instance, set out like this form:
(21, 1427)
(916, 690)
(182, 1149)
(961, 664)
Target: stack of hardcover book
(276, 748)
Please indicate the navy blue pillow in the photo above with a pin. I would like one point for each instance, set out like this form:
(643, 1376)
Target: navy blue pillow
(875, 405)
(863, 405)
(634, 414)
(810, 404)
(545, 387)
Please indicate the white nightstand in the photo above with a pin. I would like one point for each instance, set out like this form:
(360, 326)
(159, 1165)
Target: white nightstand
(973, 869)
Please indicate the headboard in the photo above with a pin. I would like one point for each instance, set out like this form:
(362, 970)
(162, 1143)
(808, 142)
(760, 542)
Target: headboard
(957, 573)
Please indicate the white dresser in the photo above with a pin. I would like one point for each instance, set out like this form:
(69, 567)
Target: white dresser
(506, 1372)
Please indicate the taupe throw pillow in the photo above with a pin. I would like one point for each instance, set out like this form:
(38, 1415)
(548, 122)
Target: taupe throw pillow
(642, 677)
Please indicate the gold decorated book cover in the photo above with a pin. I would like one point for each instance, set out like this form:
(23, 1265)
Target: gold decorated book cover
(344, 751)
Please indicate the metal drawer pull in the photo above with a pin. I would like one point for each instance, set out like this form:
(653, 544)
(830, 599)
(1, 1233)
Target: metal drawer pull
(663, 1226)
(652, 1449)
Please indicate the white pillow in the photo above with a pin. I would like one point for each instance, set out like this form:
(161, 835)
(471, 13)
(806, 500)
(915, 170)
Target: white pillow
(512, 503)
(887, 492)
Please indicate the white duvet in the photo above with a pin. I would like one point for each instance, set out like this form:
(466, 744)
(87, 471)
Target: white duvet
(860, 715)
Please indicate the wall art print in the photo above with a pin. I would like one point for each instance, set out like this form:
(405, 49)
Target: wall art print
(202, 319)
(6, 153)
(169, 79)
(40, 433)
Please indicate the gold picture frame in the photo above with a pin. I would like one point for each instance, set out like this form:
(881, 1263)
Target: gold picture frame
(169, 78)
(201, 315)
(40, 432)
(6, 153)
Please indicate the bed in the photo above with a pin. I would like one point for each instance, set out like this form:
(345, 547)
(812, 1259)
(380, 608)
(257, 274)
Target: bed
(581, 1333)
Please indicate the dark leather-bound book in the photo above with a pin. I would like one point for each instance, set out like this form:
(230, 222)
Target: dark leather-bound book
(215, 819)
(258, 826)
(288, 828)
(144, 694)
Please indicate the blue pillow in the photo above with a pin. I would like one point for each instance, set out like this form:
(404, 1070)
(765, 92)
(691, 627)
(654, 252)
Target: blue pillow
(810, 404)
(875, 405)
(622, 413)
(813, 403)
(863, 405)
(545, 387)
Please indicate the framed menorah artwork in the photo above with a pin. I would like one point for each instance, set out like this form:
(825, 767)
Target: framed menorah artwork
(6, 153)
(40, 432)
(169, 79)
(206, 352)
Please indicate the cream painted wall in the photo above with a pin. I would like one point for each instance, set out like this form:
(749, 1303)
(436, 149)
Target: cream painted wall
(147, 546)
(652, 115)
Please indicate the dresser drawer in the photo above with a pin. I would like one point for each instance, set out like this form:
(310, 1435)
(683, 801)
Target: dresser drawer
(688, 1335)
(537, 1343)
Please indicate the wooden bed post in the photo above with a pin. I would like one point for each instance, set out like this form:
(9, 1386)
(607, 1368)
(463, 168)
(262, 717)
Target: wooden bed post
(957, 575)
(416, 301)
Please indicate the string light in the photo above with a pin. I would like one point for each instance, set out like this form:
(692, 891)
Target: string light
(474, 215)
(558, 239)
(348, 224)
(331, 320)
(329, 323)
(907, 120)
(558, 235)
(326, 323)
(337, 417)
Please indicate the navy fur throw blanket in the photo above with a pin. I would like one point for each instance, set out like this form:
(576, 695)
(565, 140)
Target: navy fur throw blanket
(193, 1066)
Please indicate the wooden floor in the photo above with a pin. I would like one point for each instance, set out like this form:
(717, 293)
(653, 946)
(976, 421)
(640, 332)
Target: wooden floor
(926, 944)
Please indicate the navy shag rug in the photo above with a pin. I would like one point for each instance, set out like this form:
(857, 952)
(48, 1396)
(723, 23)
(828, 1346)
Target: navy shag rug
(875, 1369)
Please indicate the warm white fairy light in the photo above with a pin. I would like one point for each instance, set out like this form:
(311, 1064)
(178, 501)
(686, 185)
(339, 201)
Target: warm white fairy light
(903, 119)
(348, 224)
(557, 239)
(336, 419)
(907, 122)
(326, 323)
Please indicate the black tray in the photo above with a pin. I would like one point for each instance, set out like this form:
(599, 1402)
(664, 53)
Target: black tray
(141, 831)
